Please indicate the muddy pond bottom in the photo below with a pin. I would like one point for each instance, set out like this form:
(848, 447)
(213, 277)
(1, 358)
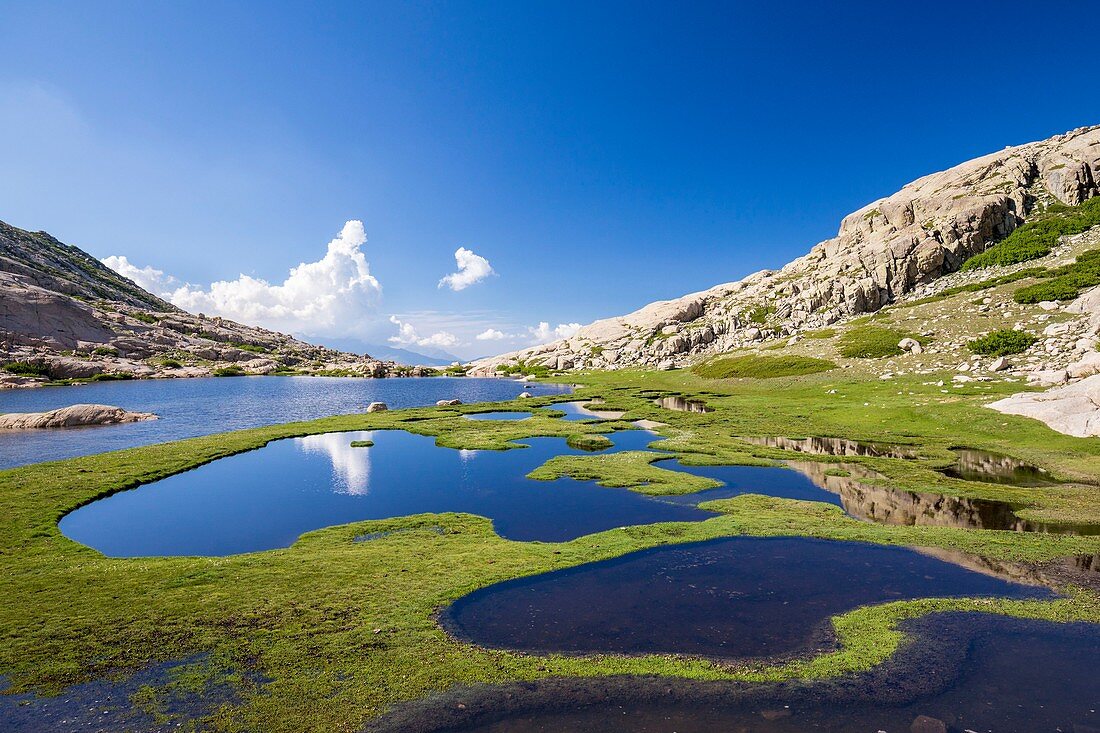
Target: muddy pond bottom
(266, 498)
(740, 597)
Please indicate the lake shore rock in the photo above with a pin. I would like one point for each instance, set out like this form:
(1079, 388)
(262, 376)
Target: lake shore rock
(73, 416)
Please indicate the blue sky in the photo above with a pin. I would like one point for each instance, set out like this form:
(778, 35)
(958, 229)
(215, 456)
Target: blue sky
(598, 156)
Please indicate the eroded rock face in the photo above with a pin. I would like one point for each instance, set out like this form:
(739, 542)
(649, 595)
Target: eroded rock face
(72, 416)
(882, 251)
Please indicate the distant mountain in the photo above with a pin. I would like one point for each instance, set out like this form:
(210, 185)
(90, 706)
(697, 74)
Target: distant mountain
(882, 252)
(390, 353)
(65, 315)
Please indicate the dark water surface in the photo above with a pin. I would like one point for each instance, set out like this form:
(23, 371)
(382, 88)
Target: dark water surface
(191, 407)
(964, 672)
(266, 498)
(995, 468)
(729, 598)
(681, 404)
(833, 447)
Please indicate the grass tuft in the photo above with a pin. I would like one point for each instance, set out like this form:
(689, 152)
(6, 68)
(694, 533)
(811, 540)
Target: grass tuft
(872, 342)
(761, 367)
(1002, 343)
(1036, 239)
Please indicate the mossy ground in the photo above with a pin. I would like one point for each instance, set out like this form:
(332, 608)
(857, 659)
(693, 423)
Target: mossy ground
(344, 629)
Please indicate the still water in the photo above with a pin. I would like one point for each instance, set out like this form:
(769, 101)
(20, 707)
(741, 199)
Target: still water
(963, 672)
(729, 598)
(266, 498)
(192, 407)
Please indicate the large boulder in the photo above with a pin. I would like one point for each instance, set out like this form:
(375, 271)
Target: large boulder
(73, 416)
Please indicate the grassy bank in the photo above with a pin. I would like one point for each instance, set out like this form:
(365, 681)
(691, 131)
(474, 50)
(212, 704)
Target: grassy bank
(343, 629)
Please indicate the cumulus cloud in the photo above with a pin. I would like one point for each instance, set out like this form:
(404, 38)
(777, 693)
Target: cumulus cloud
(542, 333)
(491, 334)
(328, 297)
(407, 336)
(150, 278)
(472, 269)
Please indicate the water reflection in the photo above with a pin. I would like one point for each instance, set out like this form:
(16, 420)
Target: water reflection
(737, 597)
(994, 468)
(681, 404)
(350, 466)
(887, 505)
(185, 407)
(578, 411)
(266, 498)
(833, 447)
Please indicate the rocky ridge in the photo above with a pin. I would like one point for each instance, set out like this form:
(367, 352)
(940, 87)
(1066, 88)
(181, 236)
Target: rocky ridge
(882, 252)
(64, 315)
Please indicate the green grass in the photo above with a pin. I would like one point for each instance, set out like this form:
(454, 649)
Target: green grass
(342, 630)
(229, 371)
(761, 367)
(821, 333)
(1002, 343)
(1065, 282)
(26, 369)
(871, 342)
(362, 443)
(111, 377)
(105, 351)
(759, 314)
(1037, 238)
(143, 317)
(589, 442)
(254, 348)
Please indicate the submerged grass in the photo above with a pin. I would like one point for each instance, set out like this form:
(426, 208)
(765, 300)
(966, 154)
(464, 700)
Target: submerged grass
(343, 629)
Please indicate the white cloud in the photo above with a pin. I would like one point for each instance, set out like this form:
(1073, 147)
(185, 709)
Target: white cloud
(472, 269)
(150, 278)
(407, 336)
(330, 297)
(542, 333)
(490, 334)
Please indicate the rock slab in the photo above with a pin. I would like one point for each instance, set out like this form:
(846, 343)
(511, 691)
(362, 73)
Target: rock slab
(71, 417)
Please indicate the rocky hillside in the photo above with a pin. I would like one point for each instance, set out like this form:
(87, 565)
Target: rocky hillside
(883, 252)
(64, 315)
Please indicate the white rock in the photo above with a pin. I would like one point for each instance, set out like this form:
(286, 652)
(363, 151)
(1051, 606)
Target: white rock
(909, 344)
(377, 407)
(1073, 409)
(1048, 305)
(72, 416)
(525, 395)
(999, 364)
(1047, 377)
